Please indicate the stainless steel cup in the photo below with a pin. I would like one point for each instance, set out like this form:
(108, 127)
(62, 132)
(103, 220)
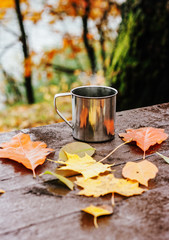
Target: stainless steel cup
(93, 112)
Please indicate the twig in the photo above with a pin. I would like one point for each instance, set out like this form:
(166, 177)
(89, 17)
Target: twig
(8, 47)
(9, 30)
(114, 150)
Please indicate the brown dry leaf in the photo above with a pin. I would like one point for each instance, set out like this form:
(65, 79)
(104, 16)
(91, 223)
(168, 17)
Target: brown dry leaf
(21, 149)
(145, 137)
(142, 171)
(86, 165)
(98, 211)
(103, 185)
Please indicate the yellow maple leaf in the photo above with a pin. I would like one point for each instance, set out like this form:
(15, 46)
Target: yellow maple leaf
(142, 171)
(103, 185)
(98, 211)
(86, 165)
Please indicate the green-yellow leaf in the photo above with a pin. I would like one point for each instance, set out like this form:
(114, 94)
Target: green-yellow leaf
(86, 165)
(64, 180)
(98, 211)
(79, 148)
(164, 157)
(103, 185)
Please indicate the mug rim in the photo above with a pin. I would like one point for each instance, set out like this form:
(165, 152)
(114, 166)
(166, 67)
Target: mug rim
(95, 86)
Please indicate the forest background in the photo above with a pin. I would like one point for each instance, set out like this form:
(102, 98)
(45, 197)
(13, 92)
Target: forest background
(51, 46)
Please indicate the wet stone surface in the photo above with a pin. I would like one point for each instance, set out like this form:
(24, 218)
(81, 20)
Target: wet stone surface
(42, 208)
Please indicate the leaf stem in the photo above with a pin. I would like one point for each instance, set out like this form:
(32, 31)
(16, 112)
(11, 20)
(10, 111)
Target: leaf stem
(50, 160)
(144, 155)
(115, 150)
(112, 199)
(95, 222)
(34, 174)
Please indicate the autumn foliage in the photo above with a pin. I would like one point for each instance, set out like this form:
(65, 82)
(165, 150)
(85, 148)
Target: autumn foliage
(145, 137)
(97, 178)
(21, 149)
(88, 51)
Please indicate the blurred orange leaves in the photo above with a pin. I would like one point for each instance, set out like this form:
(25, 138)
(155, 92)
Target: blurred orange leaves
(7, 4)
(27, 67)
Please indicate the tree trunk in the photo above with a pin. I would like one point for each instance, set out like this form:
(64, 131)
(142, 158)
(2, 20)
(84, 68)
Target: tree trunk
(89, 47)
(139, 68)
(101, 26)
(28, 83)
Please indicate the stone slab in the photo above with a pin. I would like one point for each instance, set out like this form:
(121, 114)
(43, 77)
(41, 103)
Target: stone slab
(42, 208)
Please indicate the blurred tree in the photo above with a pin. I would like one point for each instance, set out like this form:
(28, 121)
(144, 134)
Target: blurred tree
(15, 4)
(139, 62)
(27, 59)
(93, 42)
(100, 13)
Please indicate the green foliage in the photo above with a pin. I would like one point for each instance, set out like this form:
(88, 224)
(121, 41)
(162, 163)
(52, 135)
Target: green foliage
(123, 43)
(139, 67)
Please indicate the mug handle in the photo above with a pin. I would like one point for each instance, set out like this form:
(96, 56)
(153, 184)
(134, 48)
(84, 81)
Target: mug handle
(59, 113)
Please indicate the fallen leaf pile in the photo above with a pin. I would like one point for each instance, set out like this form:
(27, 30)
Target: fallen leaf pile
(21, 149)
(96, 177)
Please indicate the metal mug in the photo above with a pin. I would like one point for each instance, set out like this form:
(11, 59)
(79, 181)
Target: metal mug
(93, 113)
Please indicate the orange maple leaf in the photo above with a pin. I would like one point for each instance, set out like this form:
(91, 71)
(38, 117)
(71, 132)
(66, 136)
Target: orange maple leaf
(21, 149)
(145, 137)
